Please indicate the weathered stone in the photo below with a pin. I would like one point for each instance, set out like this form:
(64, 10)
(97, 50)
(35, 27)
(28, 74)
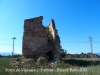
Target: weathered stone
(14, 63)
(38, 42)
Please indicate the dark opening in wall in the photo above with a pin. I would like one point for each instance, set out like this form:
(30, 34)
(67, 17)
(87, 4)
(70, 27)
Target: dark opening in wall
(50, 55)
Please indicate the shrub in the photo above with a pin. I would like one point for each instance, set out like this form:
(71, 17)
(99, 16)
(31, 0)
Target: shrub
(42, 61)
(49, 35)
(63, 52)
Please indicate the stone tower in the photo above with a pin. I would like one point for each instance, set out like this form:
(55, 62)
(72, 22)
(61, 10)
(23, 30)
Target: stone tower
(39, 40)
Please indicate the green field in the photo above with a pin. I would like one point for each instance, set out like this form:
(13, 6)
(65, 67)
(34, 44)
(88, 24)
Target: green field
(61, 69)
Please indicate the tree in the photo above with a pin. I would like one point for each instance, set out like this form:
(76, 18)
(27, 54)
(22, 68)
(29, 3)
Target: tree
(0, 55)
(63, 52)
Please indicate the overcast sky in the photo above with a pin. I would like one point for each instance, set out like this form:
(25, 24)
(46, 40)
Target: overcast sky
(75, 21)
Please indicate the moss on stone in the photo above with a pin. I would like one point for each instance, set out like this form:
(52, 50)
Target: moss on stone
(49, 35)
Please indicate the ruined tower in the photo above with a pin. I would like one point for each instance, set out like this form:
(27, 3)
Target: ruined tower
(39, 40)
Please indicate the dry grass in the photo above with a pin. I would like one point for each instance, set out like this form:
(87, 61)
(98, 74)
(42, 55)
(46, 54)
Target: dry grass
(60, 69)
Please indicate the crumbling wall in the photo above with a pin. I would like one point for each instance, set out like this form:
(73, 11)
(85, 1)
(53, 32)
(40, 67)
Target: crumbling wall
(35, 39)
(56, 40)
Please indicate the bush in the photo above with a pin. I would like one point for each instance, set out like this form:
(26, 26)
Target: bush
(63, 52)
(49, 35)
(42, 61)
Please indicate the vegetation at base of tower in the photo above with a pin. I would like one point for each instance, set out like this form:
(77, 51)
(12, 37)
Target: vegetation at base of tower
(42, 61)
(60, 69)
(49, 35)
(63, 52)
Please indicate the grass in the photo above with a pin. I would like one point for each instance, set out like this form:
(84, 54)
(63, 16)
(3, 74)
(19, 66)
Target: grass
(61, 69)
(93, 59)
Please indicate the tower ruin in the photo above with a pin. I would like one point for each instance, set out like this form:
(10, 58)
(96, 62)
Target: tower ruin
(39, 40)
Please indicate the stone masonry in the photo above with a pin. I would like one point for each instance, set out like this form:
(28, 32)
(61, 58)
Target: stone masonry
(39, 40)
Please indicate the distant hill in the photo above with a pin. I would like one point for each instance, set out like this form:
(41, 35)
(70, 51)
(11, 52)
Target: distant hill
(7, 53)
(98, 54)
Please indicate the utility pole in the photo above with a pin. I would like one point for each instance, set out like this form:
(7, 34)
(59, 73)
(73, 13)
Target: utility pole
(90, 40)
(13, 45)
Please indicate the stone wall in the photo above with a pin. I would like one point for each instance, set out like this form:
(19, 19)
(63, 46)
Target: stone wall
(35, 40)
(56, 50)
